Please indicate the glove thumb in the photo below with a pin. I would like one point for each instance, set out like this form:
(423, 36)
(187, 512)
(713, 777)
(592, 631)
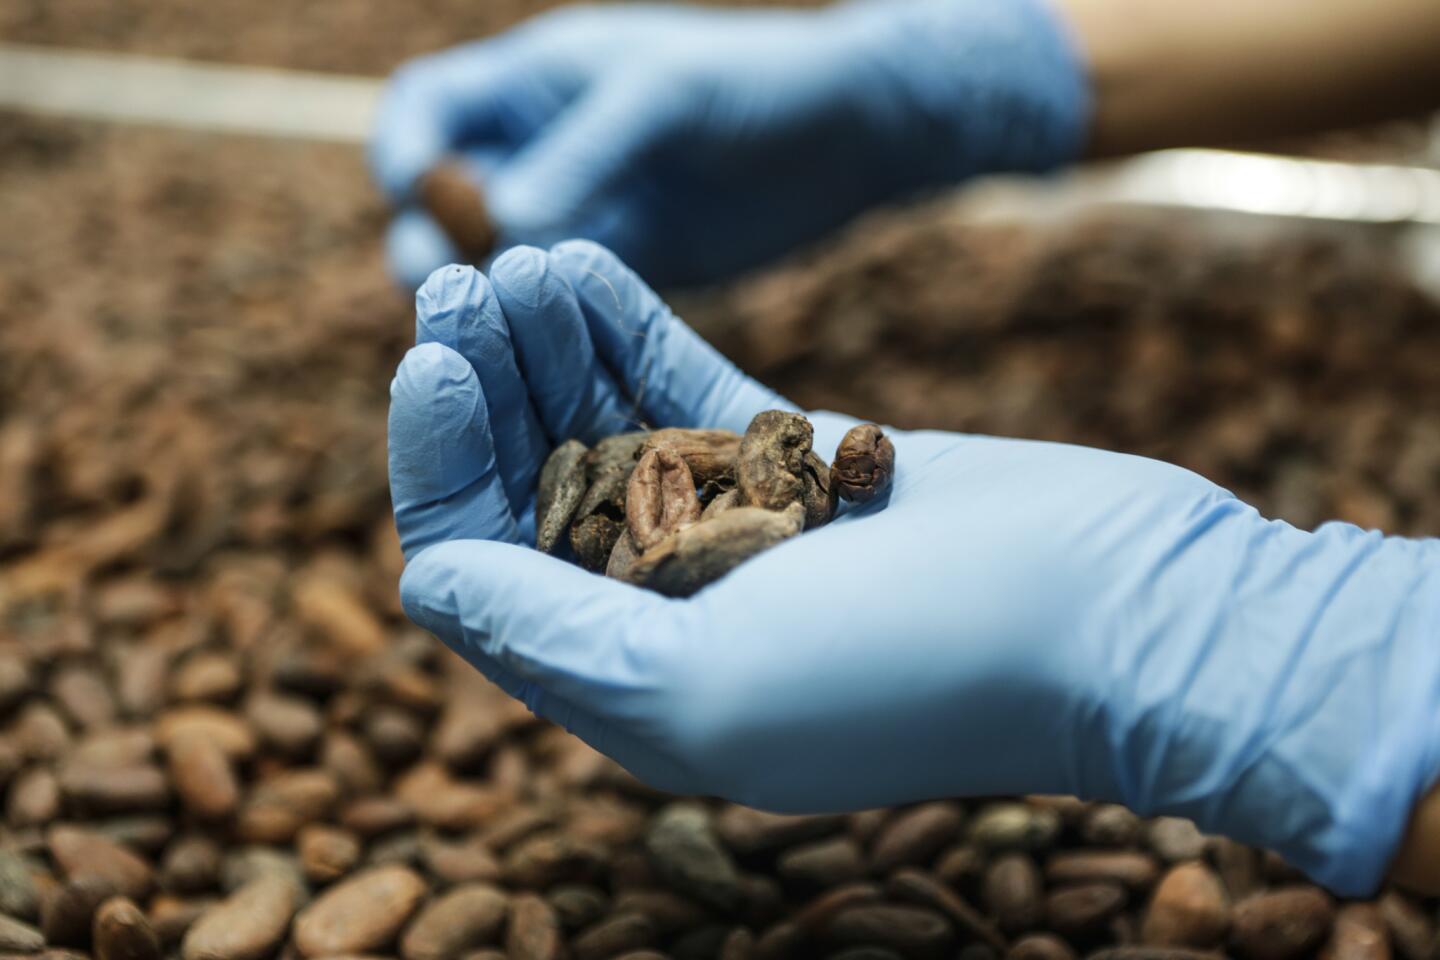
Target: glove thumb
(556, 186)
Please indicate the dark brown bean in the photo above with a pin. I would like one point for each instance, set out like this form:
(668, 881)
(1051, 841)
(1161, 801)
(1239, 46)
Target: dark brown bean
(1281, 925)
(710, 454)
(452, 196)
(1013, 892)
(1083, 911)
(916, 836)
(461, 920)
(697, 556)
(910, 931)
(1359, 934)
(864, 464)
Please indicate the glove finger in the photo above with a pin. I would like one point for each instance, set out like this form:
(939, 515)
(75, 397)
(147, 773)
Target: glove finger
(435, 104)
(573, 392)
(457, 307)
(415, 247)
(443, 478)
(586, 639)
(553, 185)
(675, 377)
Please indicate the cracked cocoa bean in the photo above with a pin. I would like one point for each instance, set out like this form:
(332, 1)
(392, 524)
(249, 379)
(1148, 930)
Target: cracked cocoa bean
(696, 556)
(661, 498)
(864, 464)
(562, 487)
(771, 460)
(710, 454)
(819, 493)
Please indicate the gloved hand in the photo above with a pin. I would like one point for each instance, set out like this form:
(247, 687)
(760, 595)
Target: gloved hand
(1018, 617)
(695, 142)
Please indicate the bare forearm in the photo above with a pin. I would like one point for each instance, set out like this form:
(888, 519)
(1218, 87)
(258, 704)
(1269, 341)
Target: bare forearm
(1186, 74)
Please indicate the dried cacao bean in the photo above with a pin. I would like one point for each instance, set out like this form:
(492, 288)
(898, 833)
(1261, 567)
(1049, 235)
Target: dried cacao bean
(451, 196)
(562, 486)
(697, 556)
(710, 454)
(864, 464)
(771, 461)
(661, 498)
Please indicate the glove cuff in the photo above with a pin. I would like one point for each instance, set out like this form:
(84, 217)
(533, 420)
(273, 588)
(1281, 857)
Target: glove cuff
(984, 86)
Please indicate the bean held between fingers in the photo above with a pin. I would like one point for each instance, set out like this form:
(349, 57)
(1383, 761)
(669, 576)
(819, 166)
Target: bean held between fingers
(456, 203)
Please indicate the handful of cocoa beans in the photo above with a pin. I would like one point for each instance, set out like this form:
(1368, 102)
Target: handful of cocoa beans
(676, 509)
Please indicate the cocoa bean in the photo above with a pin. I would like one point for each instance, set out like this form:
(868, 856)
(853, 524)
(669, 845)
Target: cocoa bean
(728, 500)
(372, 816)
(469, 861)
(819, 494)
(864, 464)
(99, 790)
(1281, 925)
(1013, 893)
(545, 859)
(561, 488)
(534, 930)
(1136, 872)
(84, 853)
(1014, 826)
(453, 198)
(661, 498)
(686, 854)
(962, 867)
(697, 556)
(910, 931)
(285, 725)
(593, 539)
(747, 831)
(171, 917)
(67, 910)
(466, 734)
(1189, 909)
(622, 557)
(461, 920)
(211, 677)
(203, 776)
(780, 942)
(826, 863)
(709, 454)
(16, 682)
(1174, 839)
(918, 887)
(35, 798)
(1040, 946)
(1238, 867)
(225, 728)
(396, 736)
(621, 933)
(17, 937)
(191, 865)
(1359, 934)
(1082, 912)
(669, 911)
(83, 693)
(815, 916)
(326, 853)
(1110, 825)
(578, 905)
(1411, 932)
(41, 732)
(146, 834)
(122, 932)
(363, 913)
(277, 809)
(771, 460)
(916, 836)
(18, 894)
(247, 925)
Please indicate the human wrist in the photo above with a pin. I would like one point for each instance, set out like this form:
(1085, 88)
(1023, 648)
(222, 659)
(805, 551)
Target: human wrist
(1290, 695)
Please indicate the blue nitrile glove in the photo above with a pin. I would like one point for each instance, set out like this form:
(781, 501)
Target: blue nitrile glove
(1016, 617)
(695, 142)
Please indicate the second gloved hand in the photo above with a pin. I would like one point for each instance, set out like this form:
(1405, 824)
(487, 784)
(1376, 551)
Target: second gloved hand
(1017, 617)
(695, 142)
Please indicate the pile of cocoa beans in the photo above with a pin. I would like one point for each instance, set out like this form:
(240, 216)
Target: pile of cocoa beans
(198, 801)
(676, 509)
